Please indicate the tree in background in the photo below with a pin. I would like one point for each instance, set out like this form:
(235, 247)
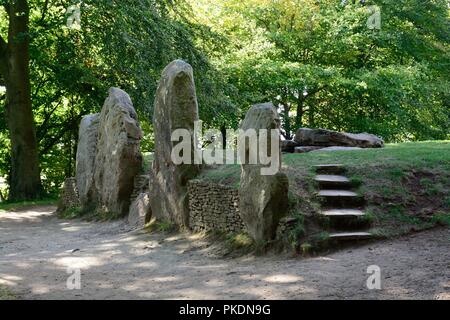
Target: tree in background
(119, 43)
(321, 64)
(317, 61)
(24, 178)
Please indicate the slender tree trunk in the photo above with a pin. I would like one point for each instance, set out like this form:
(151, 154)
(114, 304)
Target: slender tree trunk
(223, 131)
(24, 180)
(299, 115)
(311, 115)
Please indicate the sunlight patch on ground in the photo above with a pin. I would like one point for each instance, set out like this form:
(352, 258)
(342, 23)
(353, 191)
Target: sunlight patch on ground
(145, 265)
(9, 280)
(32, 216)
(79, 262)
(283, 278)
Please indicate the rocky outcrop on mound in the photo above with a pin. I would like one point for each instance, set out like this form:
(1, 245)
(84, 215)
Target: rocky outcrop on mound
(328, 138)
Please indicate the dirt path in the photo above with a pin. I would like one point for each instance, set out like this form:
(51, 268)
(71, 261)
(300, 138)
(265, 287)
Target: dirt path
(36, 249)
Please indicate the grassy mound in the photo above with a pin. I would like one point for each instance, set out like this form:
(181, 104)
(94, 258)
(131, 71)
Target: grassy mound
(407, 186)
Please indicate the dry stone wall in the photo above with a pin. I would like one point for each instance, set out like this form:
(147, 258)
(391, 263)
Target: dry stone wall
(214, 206)
(69, 195)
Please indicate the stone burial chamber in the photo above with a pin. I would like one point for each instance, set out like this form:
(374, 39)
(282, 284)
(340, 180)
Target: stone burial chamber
(307, 140)
(109, 162)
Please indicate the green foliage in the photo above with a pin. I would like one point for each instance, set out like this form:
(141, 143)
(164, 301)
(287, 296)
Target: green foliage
(321, 65)
(71, 213)
(442, 218)
(238, 242)
(315, 60)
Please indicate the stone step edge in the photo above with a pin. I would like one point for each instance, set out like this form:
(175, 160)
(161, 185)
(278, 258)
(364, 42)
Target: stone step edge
(350, 235)
(343, 194)
(343, 213)
(331, 178)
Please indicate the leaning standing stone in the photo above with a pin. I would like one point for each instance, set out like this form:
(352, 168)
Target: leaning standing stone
(118, 158)
(87, 148)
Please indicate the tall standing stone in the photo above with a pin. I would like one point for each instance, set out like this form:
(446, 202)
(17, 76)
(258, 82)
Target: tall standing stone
(263, 198)
(87, 147)
(118, 159)
(175, 108)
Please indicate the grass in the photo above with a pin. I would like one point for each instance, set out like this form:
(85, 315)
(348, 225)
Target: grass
(160, 226)
(13, 206)
(407, 186)
(228, 174)
(5, 294)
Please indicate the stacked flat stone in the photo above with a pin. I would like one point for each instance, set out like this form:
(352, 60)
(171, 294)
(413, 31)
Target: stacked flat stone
(141, 183)
(214, 206)
(69, 195)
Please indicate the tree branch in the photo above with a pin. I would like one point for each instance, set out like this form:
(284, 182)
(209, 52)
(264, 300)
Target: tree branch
(55, 139)
(44, 12)
(7, 7)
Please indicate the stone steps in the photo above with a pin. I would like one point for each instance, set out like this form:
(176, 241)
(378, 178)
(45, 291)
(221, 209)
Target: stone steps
(344, 236)
(341, 205)
(343, 213)
(329, 181)
(330, 169)
(340, 198)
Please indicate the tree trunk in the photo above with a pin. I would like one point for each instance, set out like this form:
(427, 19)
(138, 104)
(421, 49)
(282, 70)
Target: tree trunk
(24, 180)
(311, 115)
(299, 115)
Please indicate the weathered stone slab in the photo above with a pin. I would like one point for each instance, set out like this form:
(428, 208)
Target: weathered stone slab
(333, 181)
(329, 138)
(175, 108)
(337, 193)
(343, 213)
(87, 147)
(288, 146)
(263, 199)
(331, 149)
(330, 168)
(305, 149)
(331, 178)
(140, 211)
(118, 159)
(350, 236)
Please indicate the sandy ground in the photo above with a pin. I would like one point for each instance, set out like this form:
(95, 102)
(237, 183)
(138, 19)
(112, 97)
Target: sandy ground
(36, 250)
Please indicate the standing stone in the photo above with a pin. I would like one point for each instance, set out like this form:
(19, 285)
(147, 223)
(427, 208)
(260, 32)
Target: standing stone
(87, 147)
(263, 198)
(328, 138)
(288, 146)
(118, 159)
(306, 149)
(140, 211)
(175, 108)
